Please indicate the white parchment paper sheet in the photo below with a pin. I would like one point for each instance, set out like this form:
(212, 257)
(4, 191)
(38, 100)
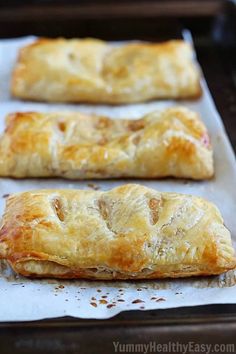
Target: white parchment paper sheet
(22, 299)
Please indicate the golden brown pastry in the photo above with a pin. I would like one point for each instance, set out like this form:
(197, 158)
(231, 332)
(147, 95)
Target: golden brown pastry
(130, 232)
(173, 142)
(90, 70)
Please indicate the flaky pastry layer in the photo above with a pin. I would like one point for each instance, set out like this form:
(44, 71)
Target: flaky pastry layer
(130, 232)
(91, 70)
(173, 142)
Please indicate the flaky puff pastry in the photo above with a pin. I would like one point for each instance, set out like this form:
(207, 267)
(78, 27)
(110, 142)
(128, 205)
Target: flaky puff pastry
(130, 232)
(91, 70)
(173, 142)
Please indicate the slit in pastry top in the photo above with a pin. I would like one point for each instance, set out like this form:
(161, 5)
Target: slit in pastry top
(129, 232)
(90, 70)
(169, 143)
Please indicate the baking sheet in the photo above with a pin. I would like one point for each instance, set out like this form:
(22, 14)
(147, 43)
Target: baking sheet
(25, 300)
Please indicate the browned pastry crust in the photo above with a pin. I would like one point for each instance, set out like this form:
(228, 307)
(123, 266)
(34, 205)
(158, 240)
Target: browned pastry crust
(90, 70)
(173, 142)
(130, 232)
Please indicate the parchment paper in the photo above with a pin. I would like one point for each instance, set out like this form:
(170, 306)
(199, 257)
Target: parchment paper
(23, 300)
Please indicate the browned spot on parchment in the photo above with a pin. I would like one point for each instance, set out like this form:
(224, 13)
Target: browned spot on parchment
(103, 302)
(137, 301)
(94, 186)
(110, 306)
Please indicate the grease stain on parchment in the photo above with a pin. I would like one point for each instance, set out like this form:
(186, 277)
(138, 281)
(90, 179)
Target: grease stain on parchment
(7, 273)
(225, 280)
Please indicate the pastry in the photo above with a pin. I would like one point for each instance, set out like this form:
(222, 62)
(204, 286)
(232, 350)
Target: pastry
(129, 232)
(91, 70)
(173, 142)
